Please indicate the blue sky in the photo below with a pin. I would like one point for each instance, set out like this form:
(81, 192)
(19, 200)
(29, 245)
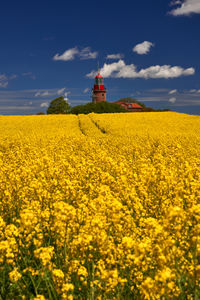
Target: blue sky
(149, 50)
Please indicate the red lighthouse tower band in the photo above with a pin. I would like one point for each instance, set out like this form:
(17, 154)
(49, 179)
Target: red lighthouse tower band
(99, 90)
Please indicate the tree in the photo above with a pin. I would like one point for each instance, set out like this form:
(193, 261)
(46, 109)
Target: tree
(58, 106)
(100, 107)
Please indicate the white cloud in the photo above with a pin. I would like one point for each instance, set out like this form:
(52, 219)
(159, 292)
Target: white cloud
(186, 7)
(121, 70)
(172, 92)
(45, 94)
(198, 91)
(114, 56)
(172, 100)
(86, 53)
(143, 48)
(108, 69)
(42, 94)
(44, 104)
(4, 79)
(61, 91)
(193, 91)
(67, 55)
(86, 90)
(67, 93)
(70, 54)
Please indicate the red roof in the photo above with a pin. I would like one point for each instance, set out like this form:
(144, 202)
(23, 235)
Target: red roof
(130, 105)
(98, 76)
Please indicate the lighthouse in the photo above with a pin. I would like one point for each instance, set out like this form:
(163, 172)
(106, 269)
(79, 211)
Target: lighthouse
(99, 90)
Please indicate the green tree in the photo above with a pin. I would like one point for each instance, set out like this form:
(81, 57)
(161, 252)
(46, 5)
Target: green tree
(100, 107)
(58, 106)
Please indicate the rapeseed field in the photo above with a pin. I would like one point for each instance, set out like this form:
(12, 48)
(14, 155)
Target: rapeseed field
(100, 206)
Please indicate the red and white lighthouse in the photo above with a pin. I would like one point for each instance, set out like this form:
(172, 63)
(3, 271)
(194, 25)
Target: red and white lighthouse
(99, 90)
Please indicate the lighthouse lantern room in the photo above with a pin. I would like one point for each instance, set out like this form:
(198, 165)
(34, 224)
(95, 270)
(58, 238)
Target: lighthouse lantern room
(99, 90)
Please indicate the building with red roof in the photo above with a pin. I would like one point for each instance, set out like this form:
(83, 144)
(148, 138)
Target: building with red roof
(129, 106)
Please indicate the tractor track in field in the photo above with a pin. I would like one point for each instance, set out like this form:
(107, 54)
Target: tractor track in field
(89, 127)
(97, 126)
(80, 127)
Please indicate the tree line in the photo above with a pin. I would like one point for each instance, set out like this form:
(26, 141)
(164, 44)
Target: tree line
(61, 106)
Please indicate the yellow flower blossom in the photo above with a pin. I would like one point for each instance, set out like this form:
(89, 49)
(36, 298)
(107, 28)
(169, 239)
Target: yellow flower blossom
(15, 275)
(45, 254)
(39, 297)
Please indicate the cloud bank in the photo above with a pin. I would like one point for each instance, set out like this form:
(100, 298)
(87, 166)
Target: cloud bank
(194, 91)
(143, 48)
(185, 7)
(52, 92)
(121, 70)
(22, 102)
(72, 53)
